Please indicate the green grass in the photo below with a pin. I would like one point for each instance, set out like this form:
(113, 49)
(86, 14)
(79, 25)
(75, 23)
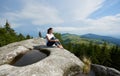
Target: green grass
(71, 38)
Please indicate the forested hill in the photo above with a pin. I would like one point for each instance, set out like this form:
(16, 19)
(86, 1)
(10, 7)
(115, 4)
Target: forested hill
(8, 35)
(99, 51)
(90, 38)
(103, 38)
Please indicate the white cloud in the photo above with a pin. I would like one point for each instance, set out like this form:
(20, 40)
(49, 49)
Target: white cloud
(84, 8)
(51, 12)
(40, 13)
(108, 25)
(64, 29)
(36, 13)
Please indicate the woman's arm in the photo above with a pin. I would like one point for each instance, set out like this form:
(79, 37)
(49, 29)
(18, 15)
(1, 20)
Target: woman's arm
(51, 40)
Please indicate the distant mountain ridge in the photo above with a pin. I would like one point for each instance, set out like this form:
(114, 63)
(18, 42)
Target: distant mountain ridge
(103, 38)
(86, 38)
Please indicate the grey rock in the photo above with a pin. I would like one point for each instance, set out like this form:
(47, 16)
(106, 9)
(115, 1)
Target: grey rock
(104, 71)
(99, 70)
(113, 72)
(56, 64)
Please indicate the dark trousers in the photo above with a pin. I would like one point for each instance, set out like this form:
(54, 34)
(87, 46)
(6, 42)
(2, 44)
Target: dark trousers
(50, 43)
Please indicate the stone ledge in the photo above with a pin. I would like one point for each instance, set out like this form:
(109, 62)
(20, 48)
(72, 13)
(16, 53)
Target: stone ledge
(55, 64)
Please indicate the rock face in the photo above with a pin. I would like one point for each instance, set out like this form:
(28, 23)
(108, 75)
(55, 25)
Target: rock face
(104, 71)
(58, 62)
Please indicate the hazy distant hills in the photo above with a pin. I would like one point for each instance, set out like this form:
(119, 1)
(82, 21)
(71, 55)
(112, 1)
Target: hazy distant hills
(86, 38)
(103, 38)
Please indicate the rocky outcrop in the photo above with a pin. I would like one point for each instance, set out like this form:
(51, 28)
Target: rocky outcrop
(58, 63)
(104, 71)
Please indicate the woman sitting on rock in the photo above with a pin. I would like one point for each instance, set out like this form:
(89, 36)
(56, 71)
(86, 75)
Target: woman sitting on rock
(51, 39)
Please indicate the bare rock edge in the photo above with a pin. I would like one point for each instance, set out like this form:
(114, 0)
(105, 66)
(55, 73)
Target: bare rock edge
(56, 64)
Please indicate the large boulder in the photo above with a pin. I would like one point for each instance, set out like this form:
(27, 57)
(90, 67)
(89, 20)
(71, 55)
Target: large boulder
(104, 71)
(59, 62)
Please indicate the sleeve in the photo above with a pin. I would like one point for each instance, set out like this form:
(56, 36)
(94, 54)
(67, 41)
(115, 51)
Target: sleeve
(47, 36)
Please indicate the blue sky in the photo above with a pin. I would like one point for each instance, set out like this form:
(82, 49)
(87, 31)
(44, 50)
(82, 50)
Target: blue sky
(100, 17)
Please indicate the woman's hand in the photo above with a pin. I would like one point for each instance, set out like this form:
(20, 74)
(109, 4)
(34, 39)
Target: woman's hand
(56, 40)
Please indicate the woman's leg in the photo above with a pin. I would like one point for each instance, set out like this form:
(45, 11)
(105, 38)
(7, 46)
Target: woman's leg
(58, 44)
(50, 43)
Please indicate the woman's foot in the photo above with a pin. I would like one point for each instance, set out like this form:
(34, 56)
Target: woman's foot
(60, 46)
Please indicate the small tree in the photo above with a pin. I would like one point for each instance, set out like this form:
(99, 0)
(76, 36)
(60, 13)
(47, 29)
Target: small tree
(21, 37)
(28, 37)
(7, 26)
(40, 35)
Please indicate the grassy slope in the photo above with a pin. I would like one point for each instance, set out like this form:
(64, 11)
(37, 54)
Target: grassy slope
(77, 39)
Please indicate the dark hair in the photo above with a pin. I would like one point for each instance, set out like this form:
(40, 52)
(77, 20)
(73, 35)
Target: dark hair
(48, 31)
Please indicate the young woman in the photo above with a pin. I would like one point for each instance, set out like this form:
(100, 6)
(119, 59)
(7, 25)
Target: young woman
(51, 39)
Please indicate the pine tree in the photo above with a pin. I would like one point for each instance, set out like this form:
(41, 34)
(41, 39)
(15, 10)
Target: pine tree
(115, 57)
(28, 37)
(7, 26)
(8, 35)
(21, 37)
(2, 34)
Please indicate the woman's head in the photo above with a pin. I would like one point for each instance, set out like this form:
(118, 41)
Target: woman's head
(50, 30)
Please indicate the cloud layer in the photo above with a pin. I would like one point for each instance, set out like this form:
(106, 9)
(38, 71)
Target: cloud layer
(86, 7)
(35, 13)
(107, 25)
(73, 16)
